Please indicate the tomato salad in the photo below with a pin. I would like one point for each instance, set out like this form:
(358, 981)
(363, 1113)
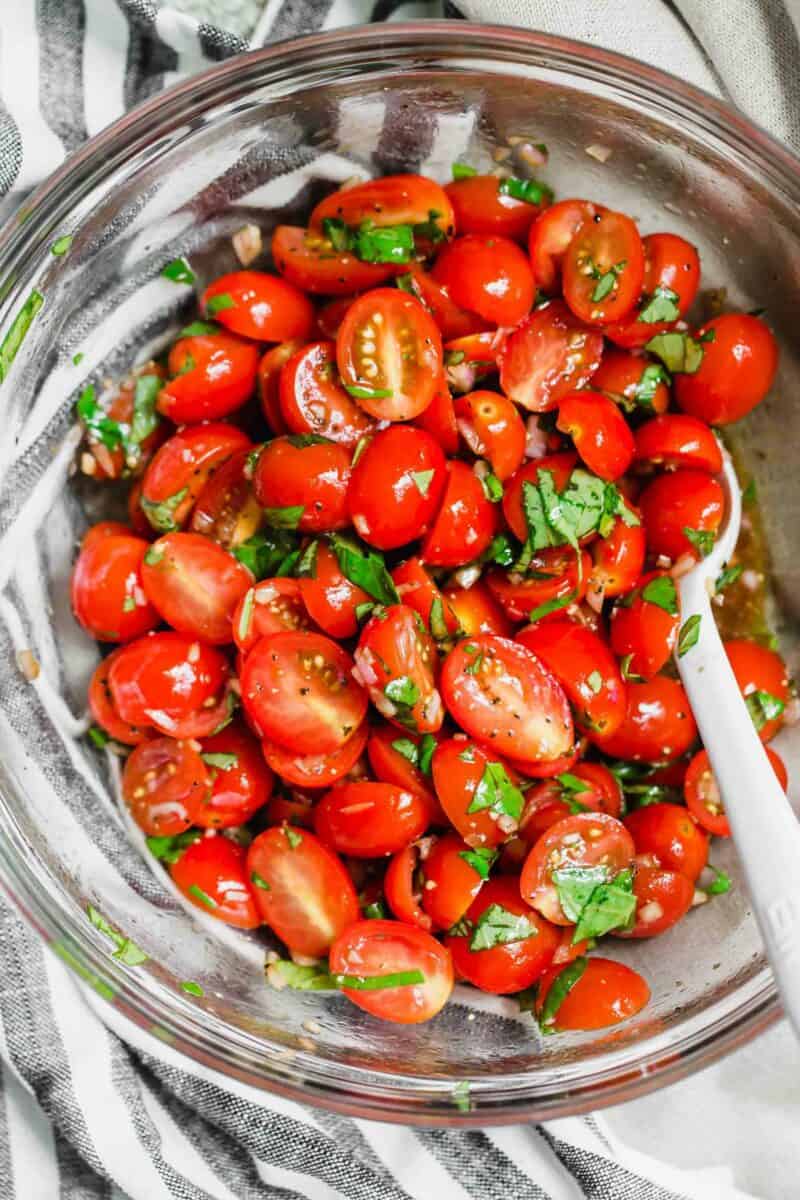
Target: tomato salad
(392, 623)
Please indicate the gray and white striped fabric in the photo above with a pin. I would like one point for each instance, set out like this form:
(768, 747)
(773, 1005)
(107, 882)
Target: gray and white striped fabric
(91, 1109)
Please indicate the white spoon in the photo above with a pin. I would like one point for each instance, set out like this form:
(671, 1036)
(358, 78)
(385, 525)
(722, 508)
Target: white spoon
(764, 827)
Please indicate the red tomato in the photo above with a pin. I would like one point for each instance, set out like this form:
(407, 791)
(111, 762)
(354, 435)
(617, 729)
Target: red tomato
(331, 315)
(212, 875)
(675, 502)
(758, 671)
(554, 575)
(395, 660)
(194, 585)
(393, 766)
(310, 262)
(490, 276)
(459, 766)
(551, 234)
(585, 668)
(368, 820)
(123, 460)
(226, 510)
(330, 598)
(493, 429)
(503, 967)
(391, 200)
(476, 610)
(439, 419)
(560, 467)
(634, 379)
(417, 589)
(271, 606)
(298, 691)
(313, 401)
(658, 725)
(606, 993)
(138, 521)
(389, 354)
(499, 692)
(451, 881)
(106, 588)
(599, 431)
(401, 886)
(295, 808)
(451, 321)
(552, 801)
(164, 678)
(396, 486)
(256, 305)
(309, 898)
(703, 797)
(672, 272)
(309, 479)
(677, 440)
(211, 376)
(547, 356)
(644, 628)
(672, 835)
(269, 379)
(736, 373)
(316, 770)
(618, 561)
(373, 948)
(582, 840)
(241, 782)
(465, 524)
(181, 468)
(662, 899)
(604, 268)
(481, 207)
(103, 710)
(163, 781)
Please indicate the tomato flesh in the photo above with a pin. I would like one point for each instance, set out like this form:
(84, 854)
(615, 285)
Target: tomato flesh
(581, 840)
(194, 585)
(212, 875)
(371, 948)
(606, 993)
(548, 355)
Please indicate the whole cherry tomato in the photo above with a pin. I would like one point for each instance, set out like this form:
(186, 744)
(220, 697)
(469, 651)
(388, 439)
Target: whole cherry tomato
(635, 379)
(164, 678)
(313, 401)
(194, 585)
(492, 428)
(226, 510)
(211, 376)
(368, 820)
(603, 268)
(476, 610)
(330, 598)
(677, 501)
(392, 200)
(644, 628)
(106, 588)
(672, 835)
(658, 725)
(489, 276)
(271, 606)
(585, 839)
(256, 305)
(599, 431)
(163, 782)
(303, 484)
(241, 782)
(589, 993)
(466, 521)
(313, 771)
(740, 358)
(548, 355)
(103, 709)
(212, 875)
(308, 260)
(181, 469)
(395, 659)
(397, 952)
(585, 668)
(703, 797)
(763, 681)
(551, 234)
(482, 205)
(396, 486)
(678, 440)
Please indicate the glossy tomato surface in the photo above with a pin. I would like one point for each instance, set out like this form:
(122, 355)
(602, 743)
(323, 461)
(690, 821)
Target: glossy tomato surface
(370, 949)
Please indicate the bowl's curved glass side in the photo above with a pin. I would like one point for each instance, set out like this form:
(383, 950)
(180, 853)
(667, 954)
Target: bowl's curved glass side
(268, 145)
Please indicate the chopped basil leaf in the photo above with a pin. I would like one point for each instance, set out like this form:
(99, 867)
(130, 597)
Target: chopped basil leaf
(98, 425)
(526, 999)
(727, 577)
(679, 352)
(427, 746)
(474, 667)
(145, 418)
(720, 884)
(16, 334)
(612, 905)
(558, 991)
(402, 691)
(363, 610)
(662, 306)
(406, 284)
(129, 604)
(224, 762)
(285, 518)
(61, 245)
(689, 634)
(127, 952)
(199, 329)
(496, 926)
(169, 849)
(586, 505)
(98, 736)
(467, 755)
(193, 989)
(306, 565)
(259, 881)
(429, 229)
(292, 836)
(374, 983)
(311, 978)
(496, 792)
(645, 390)
(572, 783)
(78, 358)
(219, 303)
(337, 233)
(661, 592)
(384, 244)
(360, 392)
(625, 670)
(438, 624)
(452, 358)
(575, 885)
(749, 496)
(461, 1096)
(161, 513)
(365, 568)
(763, 707)
(605, 284)
(701, 539)
(408, 749)
(550, 606)
(500, 551)
(595, 681)
(202, 896)
(179, 271)
(361, 446)
(301, 440)
(529, 190)
(423, 480)
(376, 911)
(481, 859)
(492, 487)
(463, 171)
(263, 554)
(462, 928)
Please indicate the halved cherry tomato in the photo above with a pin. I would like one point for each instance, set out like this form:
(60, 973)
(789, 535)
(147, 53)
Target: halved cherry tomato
(194, 585)
(400, 766)
(241, 782)
(103, 709)
(330, 598)
(391, 200)
(439, 419)
(658, 724)
(181, 468)
(599, 430)
(551, 234)
(604, 993)
(396, 486)
(309, 261)
(636, 380)
(316, 770)
(303, 484)
(736, 373)
(504, 966)
(368, 820)
(489, 276)
(313, 400)
(226, 510)
(703, 797)
(662, 899)
(163, 678)
(560, 467)
(106, 588)
(678, 440)
(618, 561)
(586, 669)
(763, 681)
(298, 691)
(330, 317)
(492, 428)
(374, 948)
(547, 356)
(389, 354)
(672, 835)
(466, 521)
(163, 781)
(451, 880)
(129, 458)
(671, 274)
(476, 610)
(555, 574)
(271, 606)
(212, 376)
(603, 268)
(459, 766)
(256, 305)
(675, 502)
(644, 628)
(500, 693)
(395, 660)
(581, 840)
(301, 889)
(269, 378)
(402, 887)
(552, 801)
(212, 875)
(481, 207)
(417, 589)
(451, 321)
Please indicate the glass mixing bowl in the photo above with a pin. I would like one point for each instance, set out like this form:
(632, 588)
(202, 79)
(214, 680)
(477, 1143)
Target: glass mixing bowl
(257, 139)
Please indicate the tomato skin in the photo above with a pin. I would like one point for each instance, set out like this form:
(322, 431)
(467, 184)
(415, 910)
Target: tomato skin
(216, 866)
(330, 598)
(644, 630)
(184, 464)
(313, 401)
(607, 243)
(163, 782)
(546, 804)
(458, 766)
(490, 276)
(194, 585)
(618, 561)
(466, 521)
(106, 583)
(583, 839)
(389, 342)
(481, 208)
(670, 263)
(758, 668)
(103, 710)
(560, 467)
(311, 898)
(308, 261)
(620, 374)
(405, 199)
(678, 440)
(607, 993)
(399, 888)
(451, 320)
(275, 606)
(702, 794)
(451, 884)
(330, 316)
(476, 610)
(264, 307)
(390, 766)
(662, 899)
(736, 373)
(314, 771)
(396, 486)
(314, 476)
(548, 355)
(238, 789)
(658, 724)
(164, 677)
(551, 234)
(599, 430)
(493, 429)
(386, 947)
(439, 419)
(563, 581)
(577, 656)
(508, 968)
(211, 376)
(368, 820)
(392, 648)
(226, 509)
(672, 835)
(417, 589)
(298, 690)
(676, 501)
(269, 379)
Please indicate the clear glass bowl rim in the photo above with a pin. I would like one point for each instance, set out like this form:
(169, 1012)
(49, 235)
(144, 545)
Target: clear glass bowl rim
(619, 1075)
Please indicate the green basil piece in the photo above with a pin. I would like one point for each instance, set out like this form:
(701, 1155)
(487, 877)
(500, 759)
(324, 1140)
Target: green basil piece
(202, 896)
(575, 885)
(161, 513)
(481, 859)
(427, 746)
(763, 708)
(62, 245)
(661, 306)
(222, 762)
(529, 190)
(145, 419)
(284, 518)
(384, 244)
(661, 591)
(360, 392)
(192, 988)
(170, 849)
(679, 352)
(558, 991)
(463, 171)
(311, 978)
(497, 793)
(612, 905)
(461, 1098)
(9, 348)
(689, 634)
(496, 926)
(727, 577)
(264, 553)
(701, 539)
(179, 271)
(259, 881)
(365, 568)
(219, 303)
(126, 952)
(551, 606)
(374, 983)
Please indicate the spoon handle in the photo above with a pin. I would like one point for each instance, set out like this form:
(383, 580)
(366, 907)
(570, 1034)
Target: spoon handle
(764, 826)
